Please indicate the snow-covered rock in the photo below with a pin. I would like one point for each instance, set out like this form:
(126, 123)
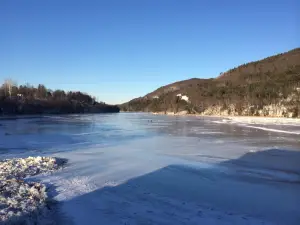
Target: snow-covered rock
(18, 197)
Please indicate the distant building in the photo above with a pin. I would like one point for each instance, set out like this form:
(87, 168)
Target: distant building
(185, 98)
(20, 96)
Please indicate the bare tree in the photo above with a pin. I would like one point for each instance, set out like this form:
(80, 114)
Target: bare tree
(8, 85)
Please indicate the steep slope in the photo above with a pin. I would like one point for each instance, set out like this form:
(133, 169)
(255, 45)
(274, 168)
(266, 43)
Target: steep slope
(269, 87)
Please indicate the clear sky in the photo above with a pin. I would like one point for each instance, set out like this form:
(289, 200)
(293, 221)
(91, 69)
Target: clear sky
(121, 49)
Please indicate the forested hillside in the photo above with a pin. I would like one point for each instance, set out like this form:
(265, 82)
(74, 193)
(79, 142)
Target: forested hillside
(269, 87)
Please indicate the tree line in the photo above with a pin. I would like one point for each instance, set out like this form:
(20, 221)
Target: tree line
(29, 99)
(10, 89)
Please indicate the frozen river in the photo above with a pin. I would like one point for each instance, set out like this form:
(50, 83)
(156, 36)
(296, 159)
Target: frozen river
(134, 168)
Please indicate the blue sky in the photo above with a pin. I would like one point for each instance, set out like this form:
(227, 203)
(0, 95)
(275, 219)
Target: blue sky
(118, 50)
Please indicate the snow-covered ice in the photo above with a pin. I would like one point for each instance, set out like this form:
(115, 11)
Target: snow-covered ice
(132, 168)
(265, 120)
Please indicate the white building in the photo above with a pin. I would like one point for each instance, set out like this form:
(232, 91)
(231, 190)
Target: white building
(185, 98)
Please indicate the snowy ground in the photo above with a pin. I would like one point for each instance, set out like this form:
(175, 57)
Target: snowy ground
(144, 169)
(265, 120)
(279, 125)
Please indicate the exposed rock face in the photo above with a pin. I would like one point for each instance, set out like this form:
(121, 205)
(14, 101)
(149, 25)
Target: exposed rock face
(185, 112)
(273, 110)
(218, 111)
(170, 113)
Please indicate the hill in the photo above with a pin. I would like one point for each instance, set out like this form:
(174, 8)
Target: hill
(268, 87)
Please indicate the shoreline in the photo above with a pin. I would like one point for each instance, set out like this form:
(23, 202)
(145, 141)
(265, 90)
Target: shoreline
(33, 116)
(267, 120)
(222, 116)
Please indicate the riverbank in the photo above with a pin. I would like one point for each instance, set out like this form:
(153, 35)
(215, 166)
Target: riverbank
(247, 119)
(13, 106)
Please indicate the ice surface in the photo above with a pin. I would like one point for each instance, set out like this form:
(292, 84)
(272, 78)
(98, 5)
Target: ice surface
(143, 169)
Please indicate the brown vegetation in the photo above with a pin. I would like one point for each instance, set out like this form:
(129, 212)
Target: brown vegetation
(249, 89)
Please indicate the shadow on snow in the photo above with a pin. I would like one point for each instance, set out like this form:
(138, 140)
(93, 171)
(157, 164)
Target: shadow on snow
(259, 185)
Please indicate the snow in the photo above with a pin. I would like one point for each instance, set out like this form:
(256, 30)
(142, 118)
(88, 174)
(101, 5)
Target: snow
(278, 125)
(264, 120)
(275, 130)
(21, 200)
(123, 169)
(135, 187)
